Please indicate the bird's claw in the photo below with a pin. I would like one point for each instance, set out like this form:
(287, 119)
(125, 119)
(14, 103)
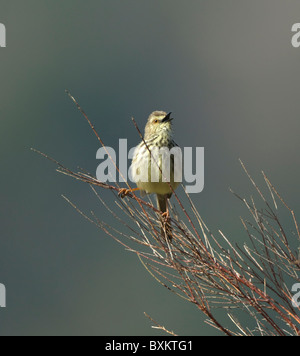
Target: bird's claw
(166, 216)
(123, 192)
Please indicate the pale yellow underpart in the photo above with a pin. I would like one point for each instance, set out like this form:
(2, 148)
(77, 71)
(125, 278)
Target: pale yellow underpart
(158, 134)
(155, 181)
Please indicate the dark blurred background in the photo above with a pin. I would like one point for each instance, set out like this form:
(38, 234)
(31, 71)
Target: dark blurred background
(227, 71)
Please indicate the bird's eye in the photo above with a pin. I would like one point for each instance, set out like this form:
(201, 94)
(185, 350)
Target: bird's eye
(156, 121)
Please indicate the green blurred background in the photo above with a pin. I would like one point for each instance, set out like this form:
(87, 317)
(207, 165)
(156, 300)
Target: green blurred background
(227, 71)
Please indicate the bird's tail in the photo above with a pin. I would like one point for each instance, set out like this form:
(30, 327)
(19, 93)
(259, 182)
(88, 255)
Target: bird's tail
(166, 230)
(162, 203)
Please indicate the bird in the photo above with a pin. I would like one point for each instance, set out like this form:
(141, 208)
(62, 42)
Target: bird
(155, 173)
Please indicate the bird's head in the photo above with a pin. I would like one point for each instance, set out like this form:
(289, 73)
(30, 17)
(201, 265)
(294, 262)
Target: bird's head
(159, 122)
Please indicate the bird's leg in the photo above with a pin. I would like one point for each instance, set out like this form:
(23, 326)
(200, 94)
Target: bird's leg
(167, 229)
(166, 214)
(123, 192)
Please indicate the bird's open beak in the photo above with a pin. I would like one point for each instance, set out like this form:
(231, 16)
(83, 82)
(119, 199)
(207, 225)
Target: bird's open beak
(167, 118)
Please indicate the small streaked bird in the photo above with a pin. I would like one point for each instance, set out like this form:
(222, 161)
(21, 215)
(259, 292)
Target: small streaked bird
(155, 173)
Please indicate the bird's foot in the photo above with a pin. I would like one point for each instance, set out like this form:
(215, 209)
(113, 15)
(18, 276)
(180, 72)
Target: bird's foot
(166, 215)
(124, 192)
